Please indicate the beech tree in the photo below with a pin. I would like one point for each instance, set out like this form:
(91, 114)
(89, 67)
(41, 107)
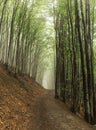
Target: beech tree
(74, 26)
(21, 39)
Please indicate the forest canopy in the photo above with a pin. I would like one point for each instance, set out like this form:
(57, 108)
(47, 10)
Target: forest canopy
(25, 45)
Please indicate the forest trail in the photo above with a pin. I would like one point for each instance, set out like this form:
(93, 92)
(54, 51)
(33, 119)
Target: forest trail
(51, 114)
(24, 105)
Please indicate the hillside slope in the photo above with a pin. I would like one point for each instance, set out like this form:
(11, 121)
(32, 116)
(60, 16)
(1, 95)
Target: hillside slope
(17, 97)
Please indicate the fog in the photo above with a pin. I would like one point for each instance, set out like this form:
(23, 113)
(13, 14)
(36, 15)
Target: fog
(48, 80)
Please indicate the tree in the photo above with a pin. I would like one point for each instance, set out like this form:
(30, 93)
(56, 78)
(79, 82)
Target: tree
(78, 41)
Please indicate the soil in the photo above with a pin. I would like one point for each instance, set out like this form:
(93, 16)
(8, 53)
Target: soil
(25, 105)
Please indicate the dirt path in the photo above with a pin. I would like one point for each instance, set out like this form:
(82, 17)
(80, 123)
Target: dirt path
(25, 105)
(51, 114)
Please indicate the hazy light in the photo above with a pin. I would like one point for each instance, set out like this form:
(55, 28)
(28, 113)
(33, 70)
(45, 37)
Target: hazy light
(49, 20)
(55, 3)
(29, 2)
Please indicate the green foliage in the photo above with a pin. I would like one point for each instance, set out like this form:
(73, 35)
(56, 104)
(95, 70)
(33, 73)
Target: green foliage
(24, 42)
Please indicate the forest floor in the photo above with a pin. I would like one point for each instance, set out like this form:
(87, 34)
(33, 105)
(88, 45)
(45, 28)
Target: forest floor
(25, 105)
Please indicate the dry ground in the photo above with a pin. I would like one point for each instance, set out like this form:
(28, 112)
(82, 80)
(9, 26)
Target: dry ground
(25, 105)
